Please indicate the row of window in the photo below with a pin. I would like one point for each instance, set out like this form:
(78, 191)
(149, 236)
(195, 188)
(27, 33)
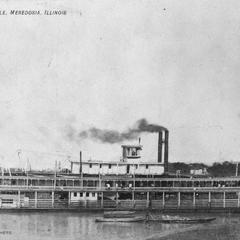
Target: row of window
(110, 166)
(81, 194)
(100, 166)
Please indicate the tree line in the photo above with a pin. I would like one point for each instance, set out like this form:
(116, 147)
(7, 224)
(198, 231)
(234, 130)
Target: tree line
(217, 169)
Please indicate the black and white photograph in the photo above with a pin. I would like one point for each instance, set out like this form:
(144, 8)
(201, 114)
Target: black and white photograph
(120, 119)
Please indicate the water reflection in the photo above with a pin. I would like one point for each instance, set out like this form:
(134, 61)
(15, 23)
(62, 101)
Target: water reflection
(67, 225)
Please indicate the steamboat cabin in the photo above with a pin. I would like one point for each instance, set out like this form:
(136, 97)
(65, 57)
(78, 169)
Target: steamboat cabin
(130, 162)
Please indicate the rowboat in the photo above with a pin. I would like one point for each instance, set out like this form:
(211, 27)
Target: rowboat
(118, 214)
(185, 220)
(132, 219)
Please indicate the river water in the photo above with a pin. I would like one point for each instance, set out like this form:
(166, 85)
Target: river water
(77, 225)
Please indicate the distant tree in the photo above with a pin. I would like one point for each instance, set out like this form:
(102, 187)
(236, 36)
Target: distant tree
(217, 169)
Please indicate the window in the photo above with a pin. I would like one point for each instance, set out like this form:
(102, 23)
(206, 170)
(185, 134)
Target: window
(136, 166)
(7, 201)
(128, 168)
(147, 166)
(134, 152)
(81, 194)
(93, 194)
(110, 166)
(75, 194)
(90, 165)
(87, 194)
(100, 166)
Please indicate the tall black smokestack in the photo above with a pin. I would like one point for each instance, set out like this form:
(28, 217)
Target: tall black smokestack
(166, 151)
(160, 135)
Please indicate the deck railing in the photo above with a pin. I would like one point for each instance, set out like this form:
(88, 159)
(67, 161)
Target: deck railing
(160, 204)
(117, 189)
(128, 204)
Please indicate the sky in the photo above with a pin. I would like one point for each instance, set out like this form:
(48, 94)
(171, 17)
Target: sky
(109, 63)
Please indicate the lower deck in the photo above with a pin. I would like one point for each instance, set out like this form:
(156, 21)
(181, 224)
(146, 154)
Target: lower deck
(139, 200)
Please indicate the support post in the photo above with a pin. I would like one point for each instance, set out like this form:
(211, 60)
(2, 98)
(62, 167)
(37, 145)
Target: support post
(52, 199)
(163, 200)
(55, 176)
(36, 196)
(134, 182)
(69, 199)
(133, 199)
(27, 179)
(55, 181)
(85, 200)
(81, 183)
(100, 182)
(209, 199)
(147, 205)
(102, 201)
(117, 199)
(194, 199)
(179, 199)
(238, 203)
(224, 199)
(19, 199)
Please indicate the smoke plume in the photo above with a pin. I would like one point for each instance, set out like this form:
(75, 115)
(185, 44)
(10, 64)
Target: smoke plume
(113, 136)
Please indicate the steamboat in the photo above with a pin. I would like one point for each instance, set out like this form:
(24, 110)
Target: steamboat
(129, 184)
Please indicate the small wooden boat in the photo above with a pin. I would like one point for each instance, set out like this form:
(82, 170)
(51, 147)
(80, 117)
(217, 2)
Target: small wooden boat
(185, 220)
(118, 214)
(132, 219)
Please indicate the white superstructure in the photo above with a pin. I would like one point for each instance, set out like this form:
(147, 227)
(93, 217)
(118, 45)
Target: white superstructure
(129, 164)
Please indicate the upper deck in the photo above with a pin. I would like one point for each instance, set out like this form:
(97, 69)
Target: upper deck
(69, 182)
